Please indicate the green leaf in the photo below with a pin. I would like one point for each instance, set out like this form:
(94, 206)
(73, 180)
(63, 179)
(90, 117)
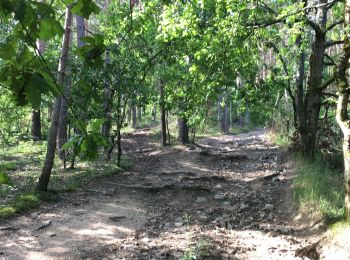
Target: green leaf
(49, 28)
(8, 49)
(24, 56)
(20, 10)
(85, 8)
(33, 91)
(96, 124)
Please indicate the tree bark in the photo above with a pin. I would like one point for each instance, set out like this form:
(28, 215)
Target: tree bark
(162, 114)
(80, 30)
(139, 115)
(134, 116)
(342, 106)
(36, 114)
(225, 117)
(183, 136)
(51, 142)
(312, 106)
(36, 125)
(108, 94)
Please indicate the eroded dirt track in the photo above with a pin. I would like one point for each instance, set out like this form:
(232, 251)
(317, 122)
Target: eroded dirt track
(226, 198)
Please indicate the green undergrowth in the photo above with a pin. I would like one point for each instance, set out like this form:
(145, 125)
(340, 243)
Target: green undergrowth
(319, 188)
(279, 139)
(25, 202)
(20, 167)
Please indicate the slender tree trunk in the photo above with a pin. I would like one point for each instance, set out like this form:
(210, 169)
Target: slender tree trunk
(36, 115)
(108, 96)
(51, 142)
(62, 126)
(219, 115)
(139, 115)
(119, 146)
(162, 114)
(167, 126)
(224, 115)
(62, 122)
(129, 116)
(134, 116)
(154, 113)
(183, 136)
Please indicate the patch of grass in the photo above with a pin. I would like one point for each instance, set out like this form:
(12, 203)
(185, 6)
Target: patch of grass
(5, 179)
(318, 188)
(7, 166)
(279, 139)
(25, 202)
(199, 251)
(340, 226)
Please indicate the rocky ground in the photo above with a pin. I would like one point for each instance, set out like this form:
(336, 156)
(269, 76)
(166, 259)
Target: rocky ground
(228, 197)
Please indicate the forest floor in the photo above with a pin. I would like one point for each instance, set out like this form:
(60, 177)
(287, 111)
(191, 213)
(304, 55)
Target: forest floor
(228, 197)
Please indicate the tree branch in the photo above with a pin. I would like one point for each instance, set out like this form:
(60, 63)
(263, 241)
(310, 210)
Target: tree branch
(327, 83)
(332, 43)
(334, 25)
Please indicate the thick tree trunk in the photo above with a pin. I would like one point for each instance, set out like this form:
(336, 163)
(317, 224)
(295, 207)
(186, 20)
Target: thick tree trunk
(51, 142)
(342, 106)
(162, 114)
(313, 102)
(346, 153)
(300, 116)
(80, 30)
(183, 136)
(36, 125)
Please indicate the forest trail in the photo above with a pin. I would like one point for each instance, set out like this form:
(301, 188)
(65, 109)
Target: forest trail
(228, 197)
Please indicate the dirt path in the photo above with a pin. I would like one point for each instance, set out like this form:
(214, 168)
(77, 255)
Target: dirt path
(226, 198)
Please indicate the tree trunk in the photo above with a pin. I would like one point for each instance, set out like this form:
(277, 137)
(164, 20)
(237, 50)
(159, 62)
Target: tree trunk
(313, 103)
(183, 136)
(108, 95)
(224, 115)
(139, 115)
(162, 114)
(62, 122)
(129, 116)
(219, 115)
(36, 125)
(247, 112)
(80, 30)
(119, 146)
(134, 117)
(342, 106)
(154, 113)
(36, 117)
(51, 142)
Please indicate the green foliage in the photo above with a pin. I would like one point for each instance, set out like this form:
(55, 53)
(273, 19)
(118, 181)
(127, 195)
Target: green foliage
(318, 188)
(25, 202)
(5, 179)
(199, 251)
